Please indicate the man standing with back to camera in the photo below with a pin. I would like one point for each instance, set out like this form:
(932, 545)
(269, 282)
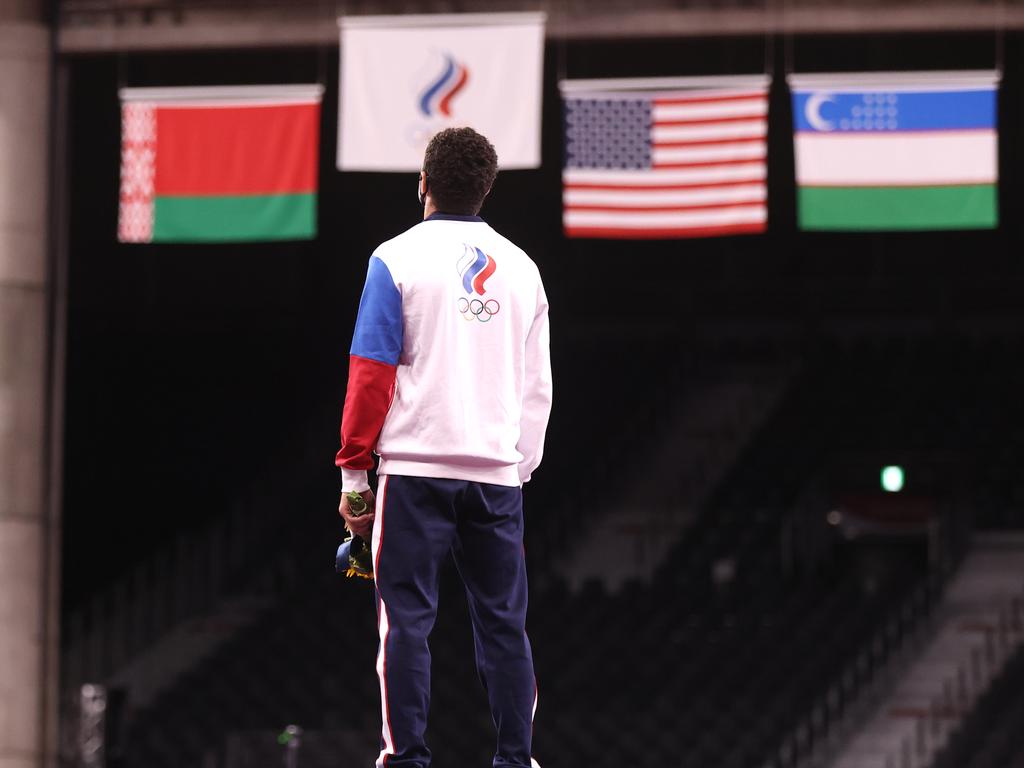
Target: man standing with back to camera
(450, 383)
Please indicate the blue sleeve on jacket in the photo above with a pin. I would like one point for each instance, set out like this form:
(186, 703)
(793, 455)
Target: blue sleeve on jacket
(378, 331)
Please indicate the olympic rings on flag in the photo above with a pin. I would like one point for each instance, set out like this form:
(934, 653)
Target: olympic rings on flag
(481, 311)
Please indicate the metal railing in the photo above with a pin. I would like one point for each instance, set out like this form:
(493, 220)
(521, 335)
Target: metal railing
(828, 722)
(951, 683)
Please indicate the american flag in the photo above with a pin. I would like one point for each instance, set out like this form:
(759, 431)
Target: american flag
(666, 163)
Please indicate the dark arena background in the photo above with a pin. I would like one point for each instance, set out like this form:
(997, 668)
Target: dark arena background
(780, 518)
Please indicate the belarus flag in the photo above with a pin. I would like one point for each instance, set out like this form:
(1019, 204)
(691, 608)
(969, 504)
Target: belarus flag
(219, 164)
(896, 151)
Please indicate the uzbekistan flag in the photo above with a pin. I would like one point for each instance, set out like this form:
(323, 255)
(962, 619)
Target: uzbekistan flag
(896, 151)
(219, 164)
(665, 157)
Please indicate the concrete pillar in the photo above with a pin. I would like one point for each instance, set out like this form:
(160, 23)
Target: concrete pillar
(27, 591)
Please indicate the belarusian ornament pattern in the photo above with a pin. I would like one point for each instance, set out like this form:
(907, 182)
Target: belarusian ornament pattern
(138, 169)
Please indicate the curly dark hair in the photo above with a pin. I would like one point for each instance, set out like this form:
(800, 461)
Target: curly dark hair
(461, 166)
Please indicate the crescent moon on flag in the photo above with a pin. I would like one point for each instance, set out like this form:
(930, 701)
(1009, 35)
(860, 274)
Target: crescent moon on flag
(812, 110)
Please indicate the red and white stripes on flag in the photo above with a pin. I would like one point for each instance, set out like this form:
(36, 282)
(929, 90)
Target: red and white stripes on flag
(665, 158)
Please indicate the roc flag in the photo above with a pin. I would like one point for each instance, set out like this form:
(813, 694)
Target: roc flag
(665, 158)
(219, 164)
(896, 151)
(404, 78)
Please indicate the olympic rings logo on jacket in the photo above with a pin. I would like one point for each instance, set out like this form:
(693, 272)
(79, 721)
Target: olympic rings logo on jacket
(475, 309)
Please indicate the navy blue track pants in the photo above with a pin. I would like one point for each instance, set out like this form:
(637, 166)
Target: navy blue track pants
(418, 521)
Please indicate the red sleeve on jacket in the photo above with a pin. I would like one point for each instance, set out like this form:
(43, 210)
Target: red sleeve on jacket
(371, 385)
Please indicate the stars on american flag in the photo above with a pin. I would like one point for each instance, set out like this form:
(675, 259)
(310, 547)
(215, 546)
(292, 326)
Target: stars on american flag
(608, 133)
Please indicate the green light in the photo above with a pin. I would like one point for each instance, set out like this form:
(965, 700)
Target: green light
(284, 738)
(893, 478)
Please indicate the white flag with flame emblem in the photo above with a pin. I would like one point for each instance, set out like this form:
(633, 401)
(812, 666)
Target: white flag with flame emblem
(404, 78)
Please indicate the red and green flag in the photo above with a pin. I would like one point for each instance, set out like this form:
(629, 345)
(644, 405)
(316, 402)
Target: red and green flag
(219, 164)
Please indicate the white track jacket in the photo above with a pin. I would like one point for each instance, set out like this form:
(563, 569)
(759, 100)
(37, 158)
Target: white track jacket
(450, 371)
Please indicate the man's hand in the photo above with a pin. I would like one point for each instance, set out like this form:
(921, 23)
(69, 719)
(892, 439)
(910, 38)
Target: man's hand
(362, 524)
